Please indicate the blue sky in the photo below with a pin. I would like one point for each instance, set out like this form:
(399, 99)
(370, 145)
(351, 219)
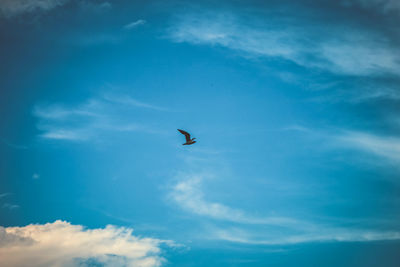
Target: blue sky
(294, 105)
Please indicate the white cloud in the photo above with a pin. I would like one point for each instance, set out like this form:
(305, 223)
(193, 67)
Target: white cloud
(63, 244)
(343, 50)
(134, 24)
(15, 7)
(385, 147)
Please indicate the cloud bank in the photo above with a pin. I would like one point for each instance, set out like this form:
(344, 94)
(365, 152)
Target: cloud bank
(63, 244)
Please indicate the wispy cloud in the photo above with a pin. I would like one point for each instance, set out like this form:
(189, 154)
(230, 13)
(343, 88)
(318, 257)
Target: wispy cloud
(4, 195)
(10, 8)
(91, 118)
(95, 6)
(127, 100)
(344, 50)
(63, 244)
(35, 176)
(359, 92)
(134, 24)
(188, 194)
(60, 134)
(383, 5)
(239, 235)
(10, 206)
(383, 146)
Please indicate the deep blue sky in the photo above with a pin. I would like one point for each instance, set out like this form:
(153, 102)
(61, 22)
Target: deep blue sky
(294, 105)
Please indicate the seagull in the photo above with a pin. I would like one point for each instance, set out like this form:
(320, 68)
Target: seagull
(187, 135)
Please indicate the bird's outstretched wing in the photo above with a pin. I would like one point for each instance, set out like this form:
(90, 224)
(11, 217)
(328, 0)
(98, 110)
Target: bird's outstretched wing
(187, 135)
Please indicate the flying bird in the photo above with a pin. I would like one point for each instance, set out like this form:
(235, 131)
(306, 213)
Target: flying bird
(189, 141)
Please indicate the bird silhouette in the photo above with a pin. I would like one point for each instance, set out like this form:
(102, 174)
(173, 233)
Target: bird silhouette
(189, 141)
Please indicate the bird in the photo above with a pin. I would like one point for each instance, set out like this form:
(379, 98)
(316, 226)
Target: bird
(187, 136)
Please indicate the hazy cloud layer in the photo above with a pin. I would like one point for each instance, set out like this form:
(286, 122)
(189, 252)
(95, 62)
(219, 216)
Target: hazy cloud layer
(63, 244)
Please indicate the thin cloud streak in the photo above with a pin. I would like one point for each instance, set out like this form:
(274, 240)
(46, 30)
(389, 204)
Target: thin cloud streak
(60, 112)
(134, 24)
(238, 235)
(57, 134)
(127, 100)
